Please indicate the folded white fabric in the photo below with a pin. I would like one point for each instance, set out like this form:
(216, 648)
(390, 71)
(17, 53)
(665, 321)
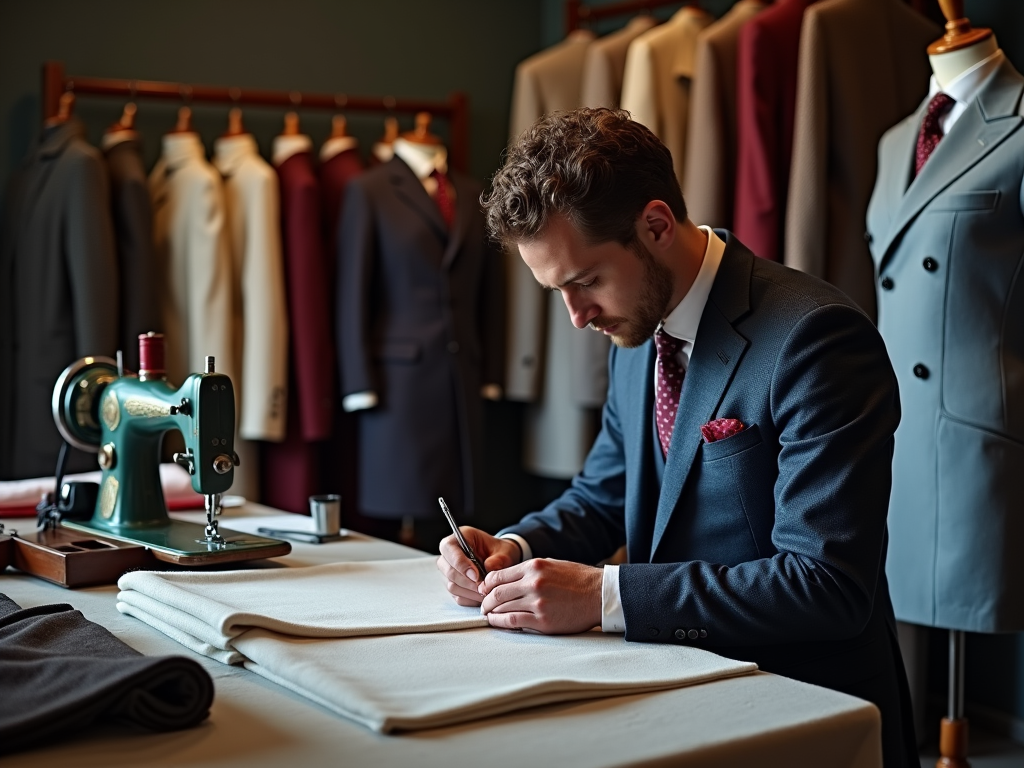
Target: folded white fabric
(208, 611)
(416, 681)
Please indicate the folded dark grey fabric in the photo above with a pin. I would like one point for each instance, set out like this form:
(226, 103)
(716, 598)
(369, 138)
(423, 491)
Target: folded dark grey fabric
(60, 673)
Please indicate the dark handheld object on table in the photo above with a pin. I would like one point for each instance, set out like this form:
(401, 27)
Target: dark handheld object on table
(309, 537)
(463, 544)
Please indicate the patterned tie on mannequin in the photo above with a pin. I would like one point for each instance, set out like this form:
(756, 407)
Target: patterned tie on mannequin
(444, 199)
(931, 129)
(669, 386)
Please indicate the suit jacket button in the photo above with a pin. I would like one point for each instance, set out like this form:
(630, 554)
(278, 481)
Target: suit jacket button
(931, 264)
(453, 347)
(680, 634)
(703, 634)
(921, 371)
(887, 283)
(868, 238)
(692, 634)
(655, 631)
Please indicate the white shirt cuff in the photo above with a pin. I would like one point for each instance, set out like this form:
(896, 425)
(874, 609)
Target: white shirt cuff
(612, 618)
(527, 552)
(359, 401)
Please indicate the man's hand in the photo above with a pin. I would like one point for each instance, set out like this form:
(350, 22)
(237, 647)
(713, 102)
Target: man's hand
(555, 597)
(461, 574)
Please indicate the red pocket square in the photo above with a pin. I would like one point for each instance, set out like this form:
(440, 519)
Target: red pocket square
(719, 429)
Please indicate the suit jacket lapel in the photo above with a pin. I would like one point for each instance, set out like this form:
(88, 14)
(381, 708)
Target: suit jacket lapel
(716, 354)
(465, 206)
(986, 123)
(410, 190)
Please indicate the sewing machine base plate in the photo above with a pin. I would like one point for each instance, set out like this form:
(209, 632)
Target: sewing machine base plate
(184, 543)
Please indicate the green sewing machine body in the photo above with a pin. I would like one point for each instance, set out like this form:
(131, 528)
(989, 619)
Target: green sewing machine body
(124, 419)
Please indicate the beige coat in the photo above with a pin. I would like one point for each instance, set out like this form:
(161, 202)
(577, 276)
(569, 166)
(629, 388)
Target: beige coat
(260, 310)
(711, 140)
(863, 68)
(560, 370)
(605, 64)
(657, 81)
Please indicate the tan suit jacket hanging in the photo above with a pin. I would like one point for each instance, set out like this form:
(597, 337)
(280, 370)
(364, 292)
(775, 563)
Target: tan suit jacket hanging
(605, 64)
(559, 369)
(863, 68)
(711, 140)
(656, 85)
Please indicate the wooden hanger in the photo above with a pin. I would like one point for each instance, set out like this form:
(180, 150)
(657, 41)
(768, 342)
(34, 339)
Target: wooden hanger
(421, 133)
(390, 130)
(127, 121)
(339, 127)
(65, 107)
(184, 122)
(959, 33)
(235, 126)
(291, 124)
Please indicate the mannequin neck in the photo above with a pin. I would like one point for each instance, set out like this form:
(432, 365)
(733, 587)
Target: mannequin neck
(947, 67)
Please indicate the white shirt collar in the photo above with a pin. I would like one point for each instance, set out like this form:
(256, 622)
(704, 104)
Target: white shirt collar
(682, 322)
(286, 146)
(424, 159)
(231, 151)
(181, 147)
(336, 145)
(964, 88)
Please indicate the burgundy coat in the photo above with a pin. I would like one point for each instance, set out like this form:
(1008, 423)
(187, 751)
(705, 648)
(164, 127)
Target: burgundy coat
(335, 174)
(765, 107)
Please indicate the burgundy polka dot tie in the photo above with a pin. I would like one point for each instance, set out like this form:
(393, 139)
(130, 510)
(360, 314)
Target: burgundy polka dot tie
(931, 129)
(669, 386)
(443, 198)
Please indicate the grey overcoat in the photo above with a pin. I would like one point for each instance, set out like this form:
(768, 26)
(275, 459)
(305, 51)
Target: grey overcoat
(420, 323)
(949, 250)
(59, 294)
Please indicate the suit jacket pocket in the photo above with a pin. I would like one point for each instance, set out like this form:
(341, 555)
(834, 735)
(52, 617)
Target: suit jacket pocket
(730, 446)
(398, 352)
(982, 200)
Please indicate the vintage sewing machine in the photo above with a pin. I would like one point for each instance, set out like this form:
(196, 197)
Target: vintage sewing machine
(124, 418)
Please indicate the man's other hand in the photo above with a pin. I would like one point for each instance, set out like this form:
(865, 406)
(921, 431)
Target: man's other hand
(555, 597)
(460, 573)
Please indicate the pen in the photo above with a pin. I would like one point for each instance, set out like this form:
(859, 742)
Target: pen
(462, 542)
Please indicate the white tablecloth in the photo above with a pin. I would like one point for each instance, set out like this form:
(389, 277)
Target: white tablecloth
(758, 719)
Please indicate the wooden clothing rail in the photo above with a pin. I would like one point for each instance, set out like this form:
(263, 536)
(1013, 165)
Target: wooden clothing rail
(576, 13)
(455, 110)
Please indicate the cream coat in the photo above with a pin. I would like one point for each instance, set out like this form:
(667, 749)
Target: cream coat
(260, 310)
(605, 64)
(658, 78)
(711, 140)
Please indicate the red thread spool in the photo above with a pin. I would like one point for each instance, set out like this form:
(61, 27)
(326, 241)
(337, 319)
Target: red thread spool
(151, 356)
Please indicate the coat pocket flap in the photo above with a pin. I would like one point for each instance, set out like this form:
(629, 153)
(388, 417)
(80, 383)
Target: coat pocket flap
(730, 446)
(399, 351)
(982, 200)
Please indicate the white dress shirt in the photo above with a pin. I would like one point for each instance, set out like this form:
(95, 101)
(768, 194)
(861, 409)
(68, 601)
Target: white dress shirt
(682, 323)
(964, 87)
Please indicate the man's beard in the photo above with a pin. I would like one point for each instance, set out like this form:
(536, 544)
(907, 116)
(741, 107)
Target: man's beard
(655, 294)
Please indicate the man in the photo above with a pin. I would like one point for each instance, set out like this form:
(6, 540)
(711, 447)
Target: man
(766, 545)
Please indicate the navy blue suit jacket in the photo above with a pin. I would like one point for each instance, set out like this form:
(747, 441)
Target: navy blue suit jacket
(770, 543)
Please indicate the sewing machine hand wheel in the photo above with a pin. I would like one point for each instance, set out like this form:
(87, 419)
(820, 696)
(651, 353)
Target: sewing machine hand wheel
(76, 399)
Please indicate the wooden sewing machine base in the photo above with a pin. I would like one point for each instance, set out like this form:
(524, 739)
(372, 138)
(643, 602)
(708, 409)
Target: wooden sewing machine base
(70, 559)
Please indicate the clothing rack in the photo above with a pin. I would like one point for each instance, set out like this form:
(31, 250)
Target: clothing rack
(576, 13)
(455, 110)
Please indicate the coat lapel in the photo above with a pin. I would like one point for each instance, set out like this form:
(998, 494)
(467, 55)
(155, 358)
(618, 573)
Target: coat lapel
(716, 354)
(986, 123)
(465, 207)
(410, 190)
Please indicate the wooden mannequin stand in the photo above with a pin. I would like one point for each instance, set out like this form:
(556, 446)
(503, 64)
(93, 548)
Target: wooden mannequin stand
(953, 730)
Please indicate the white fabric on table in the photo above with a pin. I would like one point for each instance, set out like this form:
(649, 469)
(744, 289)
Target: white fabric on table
(429, 680)
(206, 612)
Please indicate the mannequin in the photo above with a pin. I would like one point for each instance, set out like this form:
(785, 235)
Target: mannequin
(291, 140)
(945, 235)
(123, 130)
(383, 150)
(339, 140)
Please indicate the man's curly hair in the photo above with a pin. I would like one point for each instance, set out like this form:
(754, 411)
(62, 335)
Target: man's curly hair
(596, 167)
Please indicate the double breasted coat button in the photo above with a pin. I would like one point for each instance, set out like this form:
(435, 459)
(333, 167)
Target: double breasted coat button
(887, 283)
(931, 264)
(680, 634)
(654, 631)
(703, 634)
(921, 371)
(453, 347)
(868, 238)
(692, 634)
